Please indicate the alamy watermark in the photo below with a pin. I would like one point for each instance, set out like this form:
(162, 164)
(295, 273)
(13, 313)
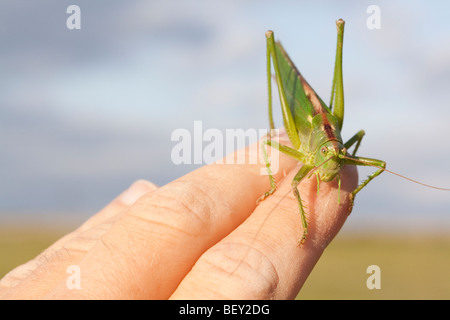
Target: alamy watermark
(211, 145)
(374, 280)
(373, 22)
(73, 281)
(73, 22)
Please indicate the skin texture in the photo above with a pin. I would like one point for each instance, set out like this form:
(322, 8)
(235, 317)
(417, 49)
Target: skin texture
(201, 236)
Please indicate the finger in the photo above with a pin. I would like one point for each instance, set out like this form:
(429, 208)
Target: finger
(69, 249)
(99, 222)
(122, 202)
(156, 242)
(261, 259)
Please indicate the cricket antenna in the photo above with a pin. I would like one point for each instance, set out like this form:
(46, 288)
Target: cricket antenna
(396, 174)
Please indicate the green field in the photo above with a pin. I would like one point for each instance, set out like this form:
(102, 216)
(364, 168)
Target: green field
(17, 246)
(411, 268)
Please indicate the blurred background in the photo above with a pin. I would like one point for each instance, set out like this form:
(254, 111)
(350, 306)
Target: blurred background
(84, 113)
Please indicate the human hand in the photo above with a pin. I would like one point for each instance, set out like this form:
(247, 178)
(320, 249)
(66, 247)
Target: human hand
(199, 237)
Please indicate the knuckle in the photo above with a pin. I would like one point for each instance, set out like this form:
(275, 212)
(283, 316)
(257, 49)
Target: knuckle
(184, 207)
(242, 265)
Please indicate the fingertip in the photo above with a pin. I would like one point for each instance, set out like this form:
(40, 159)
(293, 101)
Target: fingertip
(135, 191)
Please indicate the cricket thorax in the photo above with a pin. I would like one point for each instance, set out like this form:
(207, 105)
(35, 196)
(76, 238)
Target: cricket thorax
(325, 128)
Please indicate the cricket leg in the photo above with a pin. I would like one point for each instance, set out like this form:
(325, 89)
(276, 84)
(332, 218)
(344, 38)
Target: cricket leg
(288, 118)
(361, 161)
(282, 148)
(356, 138)
(302, 173)
(337, 90)
(273, 185)
(269, 89)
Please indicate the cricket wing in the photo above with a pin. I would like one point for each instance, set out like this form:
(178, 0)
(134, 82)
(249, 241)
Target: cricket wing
(303, 101)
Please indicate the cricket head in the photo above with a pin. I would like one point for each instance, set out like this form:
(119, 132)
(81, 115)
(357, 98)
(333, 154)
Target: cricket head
(327, 160)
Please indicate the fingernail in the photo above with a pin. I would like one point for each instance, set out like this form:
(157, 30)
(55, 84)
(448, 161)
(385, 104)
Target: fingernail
(136, 190)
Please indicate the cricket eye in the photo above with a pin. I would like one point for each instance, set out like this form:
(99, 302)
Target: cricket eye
(324, 150)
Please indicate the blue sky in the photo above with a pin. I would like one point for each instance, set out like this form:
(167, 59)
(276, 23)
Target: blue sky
(84, 113)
